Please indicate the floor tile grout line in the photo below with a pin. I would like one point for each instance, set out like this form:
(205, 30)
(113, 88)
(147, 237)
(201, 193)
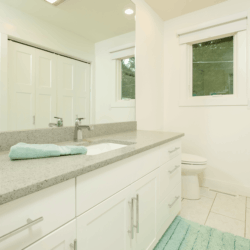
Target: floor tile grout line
(210, 209)
(228, 217)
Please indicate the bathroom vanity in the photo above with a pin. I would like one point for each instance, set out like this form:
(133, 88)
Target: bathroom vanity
(123, 199)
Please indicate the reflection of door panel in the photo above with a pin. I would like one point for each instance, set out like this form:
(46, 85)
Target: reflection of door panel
(83, 89)
(45, 88)
(73, 90)
(43, 85)
(21, 87)
(66, 90)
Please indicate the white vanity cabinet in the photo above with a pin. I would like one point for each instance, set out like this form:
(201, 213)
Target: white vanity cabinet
(127, 205)
(48, 209)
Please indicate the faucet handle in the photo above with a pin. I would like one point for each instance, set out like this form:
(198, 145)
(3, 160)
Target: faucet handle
(59, 121)
(80, 119)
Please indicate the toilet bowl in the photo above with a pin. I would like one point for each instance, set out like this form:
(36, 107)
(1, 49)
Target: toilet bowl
(191, 166)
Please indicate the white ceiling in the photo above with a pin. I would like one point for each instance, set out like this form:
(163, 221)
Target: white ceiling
(95, 20)
(168, 9)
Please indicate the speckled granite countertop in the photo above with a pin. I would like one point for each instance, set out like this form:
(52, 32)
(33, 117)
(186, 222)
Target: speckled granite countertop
(21, 178)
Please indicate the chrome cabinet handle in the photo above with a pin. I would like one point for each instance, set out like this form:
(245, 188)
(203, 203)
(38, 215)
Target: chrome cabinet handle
(176, 199)
(131, 231)
(30, 223)
(74, 246)
(175, 168)
(172, 151)
(137, 213)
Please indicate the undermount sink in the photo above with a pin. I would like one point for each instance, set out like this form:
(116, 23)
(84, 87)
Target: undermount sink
(103, 148)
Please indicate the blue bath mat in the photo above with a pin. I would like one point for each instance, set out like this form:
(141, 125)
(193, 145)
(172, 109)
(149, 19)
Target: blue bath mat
(187, 235)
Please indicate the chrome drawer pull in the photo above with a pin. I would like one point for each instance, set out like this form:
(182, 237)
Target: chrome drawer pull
(176, 199)
(137, 213)
(176, 167)
(131, 231)
(18, 230)
(172, 151)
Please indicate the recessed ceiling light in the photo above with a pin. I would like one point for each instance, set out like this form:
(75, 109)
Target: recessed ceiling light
(129, 11)
(54, 2)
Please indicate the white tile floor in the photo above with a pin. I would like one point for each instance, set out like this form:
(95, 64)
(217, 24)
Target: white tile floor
(223, 212)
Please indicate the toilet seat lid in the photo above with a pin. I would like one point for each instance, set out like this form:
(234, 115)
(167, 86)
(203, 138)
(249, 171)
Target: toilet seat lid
(193, 159)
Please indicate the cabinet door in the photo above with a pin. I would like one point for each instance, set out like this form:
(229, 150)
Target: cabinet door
(106, 226)
(144, 193)
(21, 87)
(61, 239)
(45, 88)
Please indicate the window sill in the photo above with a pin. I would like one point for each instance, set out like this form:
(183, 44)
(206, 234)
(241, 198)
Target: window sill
(123, 104)
(213, 101)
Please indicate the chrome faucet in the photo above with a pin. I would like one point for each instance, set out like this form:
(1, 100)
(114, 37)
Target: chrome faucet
(58, 124)
(78, 129)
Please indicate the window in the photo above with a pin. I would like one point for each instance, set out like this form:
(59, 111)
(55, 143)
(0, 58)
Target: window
(213, 67)
(128, 78)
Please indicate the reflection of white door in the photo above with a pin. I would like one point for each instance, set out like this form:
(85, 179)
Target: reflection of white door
(61, 239)
(43, 85)
(83, 91)
(73, 90)
(45, 88)
(21, 87)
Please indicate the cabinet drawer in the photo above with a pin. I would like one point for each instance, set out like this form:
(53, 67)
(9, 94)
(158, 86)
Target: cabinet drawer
(48, 209)
(168, 178)
(63, 238)
(171, 206)
(170, 151)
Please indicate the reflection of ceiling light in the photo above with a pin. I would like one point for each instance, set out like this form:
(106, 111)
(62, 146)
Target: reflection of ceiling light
(54, 2)
(51, 1)
(129, 11)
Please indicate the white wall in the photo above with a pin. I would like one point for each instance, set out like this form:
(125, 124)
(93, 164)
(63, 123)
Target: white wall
(220, 133)
(23, 27)
(26, 28)
(149, 67)
(105, 82)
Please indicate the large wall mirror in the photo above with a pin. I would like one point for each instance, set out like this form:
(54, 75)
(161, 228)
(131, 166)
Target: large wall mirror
(45, 80)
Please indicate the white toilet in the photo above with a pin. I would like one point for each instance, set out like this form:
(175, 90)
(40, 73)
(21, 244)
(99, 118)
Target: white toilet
(191, 166)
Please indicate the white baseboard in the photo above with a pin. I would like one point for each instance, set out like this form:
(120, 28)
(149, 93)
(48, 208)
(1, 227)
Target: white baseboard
(226, 187)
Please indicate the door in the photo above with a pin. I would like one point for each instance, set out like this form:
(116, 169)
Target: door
(45, 88)
(106, 226)
(61, 239)
(83, 91)
(73, 90)
(21, 87)
(144, 194)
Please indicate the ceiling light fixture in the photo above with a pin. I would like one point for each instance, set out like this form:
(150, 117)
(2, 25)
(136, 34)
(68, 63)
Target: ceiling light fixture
(129, 11)
(55, 2)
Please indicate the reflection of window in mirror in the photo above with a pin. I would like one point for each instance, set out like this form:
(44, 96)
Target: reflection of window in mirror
(126, 78)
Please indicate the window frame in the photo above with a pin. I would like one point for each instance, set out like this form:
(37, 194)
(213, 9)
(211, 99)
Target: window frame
(234, 68)
(239, 97)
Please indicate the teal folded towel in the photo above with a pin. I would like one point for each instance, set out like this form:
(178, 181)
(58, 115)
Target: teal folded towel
(22, 151)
